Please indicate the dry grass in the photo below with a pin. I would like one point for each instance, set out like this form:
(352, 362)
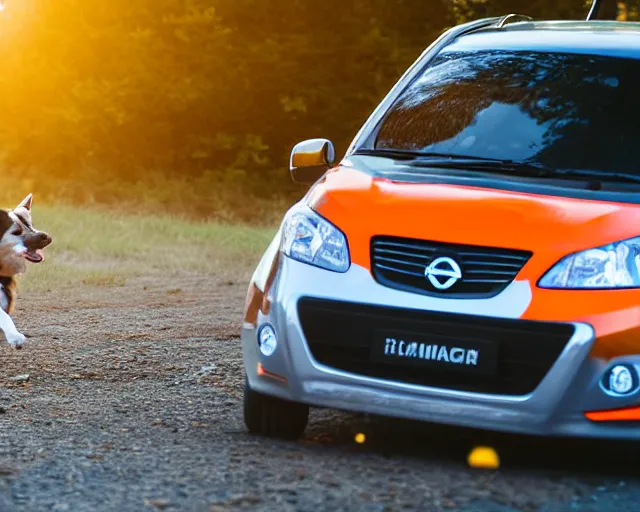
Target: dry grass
(105, 279)
(104, 248)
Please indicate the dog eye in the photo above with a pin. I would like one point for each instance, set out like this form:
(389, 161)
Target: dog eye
(17, 231)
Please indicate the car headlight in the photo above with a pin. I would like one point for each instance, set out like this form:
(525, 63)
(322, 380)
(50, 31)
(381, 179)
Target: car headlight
(309, 238)
(611, 266)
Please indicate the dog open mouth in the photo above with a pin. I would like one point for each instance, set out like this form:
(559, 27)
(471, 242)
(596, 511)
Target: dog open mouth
(32, 255)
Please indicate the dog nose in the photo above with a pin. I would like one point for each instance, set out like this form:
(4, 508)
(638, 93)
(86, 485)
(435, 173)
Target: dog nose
(44, 238)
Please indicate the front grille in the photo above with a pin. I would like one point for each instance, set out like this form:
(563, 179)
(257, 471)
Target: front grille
(401, 262)
(340, 335)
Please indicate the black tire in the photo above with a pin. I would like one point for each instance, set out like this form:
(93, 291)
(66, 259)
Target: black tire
(270, 416)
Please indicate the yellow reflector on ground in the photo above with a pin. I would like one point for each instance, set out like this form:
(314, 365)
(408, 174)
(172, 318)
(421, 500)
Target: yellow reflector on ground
(483, 457)
(360, 438)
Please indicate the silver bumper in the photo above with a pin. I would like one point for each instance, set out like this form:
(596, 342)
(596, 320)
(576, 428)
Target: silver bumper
(555, 407)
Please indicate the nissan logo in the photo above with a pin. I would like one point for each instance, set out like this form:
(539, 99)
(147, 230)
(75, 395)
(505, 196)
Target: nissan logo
(443, 267)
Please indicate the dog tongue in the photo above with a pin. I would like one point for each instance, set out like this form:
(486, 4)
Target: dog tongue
(36, 255)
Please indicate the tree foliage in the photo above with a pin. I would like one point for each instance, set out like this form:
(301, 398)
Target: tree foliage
(98, 94)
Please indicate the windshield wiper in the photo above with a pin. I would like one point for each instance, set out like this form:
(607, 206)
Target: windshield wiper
(422, 155)
(539, 170)
(497, 165)
(598, 175)
(531, 169)
(453, 161)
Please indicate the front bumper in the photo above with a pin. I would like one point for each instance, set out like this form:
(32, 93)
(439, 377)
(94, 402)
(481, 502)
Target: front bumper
(556, 406)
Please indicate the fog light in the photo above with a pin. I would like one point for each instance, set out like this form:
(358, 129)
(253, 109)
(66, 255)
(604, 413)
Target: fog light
(620, 380)
(267, 340)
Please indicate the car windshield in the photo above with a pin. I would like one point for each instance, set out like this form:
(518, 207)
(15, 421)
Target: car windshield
(560, 110)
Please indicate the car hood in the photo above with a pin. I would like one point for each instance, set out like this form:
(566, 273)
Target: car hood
(551, 227)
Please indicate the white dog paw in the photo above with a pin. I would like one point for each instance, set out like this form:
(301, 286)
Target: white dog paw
(16, 339)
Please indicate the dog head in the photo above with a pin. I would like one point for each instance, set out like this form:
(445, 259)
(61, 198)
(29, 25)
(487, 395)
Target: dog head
(19, 240)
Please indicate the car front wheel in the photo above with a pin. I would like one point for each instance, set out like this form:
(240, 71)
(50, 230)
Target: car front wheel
(274, 417)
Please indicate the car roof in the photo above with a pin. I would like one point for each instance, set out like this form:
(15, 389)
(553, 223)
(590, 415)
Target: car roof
(610, 38)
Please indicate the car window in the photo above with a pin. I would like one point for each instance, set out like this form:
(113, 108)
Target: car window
(569, 111)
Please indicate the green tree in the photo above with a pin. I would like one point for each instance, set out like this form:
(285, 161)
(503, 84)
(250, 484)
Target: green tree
(206, 95)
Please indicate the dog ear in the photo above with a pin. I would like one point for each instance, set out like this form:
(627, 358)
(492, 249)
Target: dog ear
(26, 202)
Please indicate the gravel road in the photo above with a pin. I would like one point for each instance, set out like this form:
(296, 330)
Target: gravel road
(133, 402)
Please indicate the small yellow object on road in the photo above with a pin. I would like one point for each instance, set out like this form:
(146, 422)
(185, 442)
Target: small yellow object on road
(360, 438)
(484, 457)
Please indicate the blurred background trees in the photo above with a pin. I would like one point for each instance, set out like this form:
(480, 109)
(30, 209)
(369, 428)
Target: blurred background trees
(194, 105)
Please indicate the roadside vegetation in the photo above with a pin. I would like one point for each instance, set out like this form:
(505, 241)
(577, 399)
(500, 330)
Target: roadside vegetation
(101, 247)
(192, 107)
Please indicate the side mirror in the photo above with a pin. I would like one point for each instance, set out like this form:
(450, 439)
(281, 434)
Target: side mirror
(310, 159)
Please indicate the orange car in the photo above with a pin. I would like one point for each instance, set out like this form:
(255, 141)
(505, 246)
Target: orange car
(474, 259)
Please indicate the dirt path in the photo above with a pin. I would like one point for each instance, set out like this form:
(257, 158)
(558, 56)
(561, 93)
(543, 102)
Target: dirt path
(133, 402)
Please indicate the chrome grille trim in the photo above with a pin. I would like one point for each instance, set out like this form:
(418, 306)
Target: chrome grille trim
(400, 263)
